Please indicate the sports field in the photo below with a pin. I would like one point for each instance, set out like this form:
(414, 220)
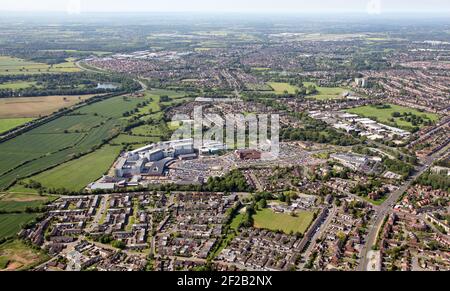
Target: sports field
(10, 123)
(32, 107)
(384, 115)
(16, 66)
(77, 174)
(286, 223)
(280, 88)
(326, 93)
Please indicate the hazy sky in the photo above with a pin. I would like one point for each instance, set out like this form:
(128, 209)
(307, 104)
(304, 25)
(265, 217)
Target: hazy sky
(263, 6)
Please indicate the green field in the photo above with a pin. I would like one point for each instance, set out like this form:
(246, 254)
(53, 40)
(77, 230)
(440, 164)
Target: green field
(77, 174)
(286, 223)
(46, 147)
(236, 221)
(21, 189)
(71, 124)
(16, 256)
(326, 93)
(149, 130)
(384, 115)
(280, 88)
(10, 123)
(19, 202)
(124, 139)
(17, 85)
(71, 136)
(113, 107)
(10, 224)
(16, 66)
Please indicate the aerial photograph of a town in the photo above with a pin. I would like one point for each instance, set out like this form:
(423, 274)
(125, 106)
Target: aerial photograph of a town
(218, 136)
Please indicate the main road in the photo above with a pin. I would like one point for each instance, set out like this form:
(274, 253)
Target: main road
(387, 207)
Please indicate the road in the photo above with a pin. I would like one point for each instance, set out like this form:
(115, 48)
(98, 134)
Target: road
(322, 228)
(80, 66)
(387, 207)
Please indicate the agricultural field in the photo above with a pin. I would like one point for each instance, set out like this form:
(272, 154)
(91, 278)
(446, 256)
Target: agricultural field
(16, 256)
(77, 174)
(16, 66)
(113, 107)
(150, 130)
(10, 123)
(71, 124)
(17, 85)
(11, 224)
(19, 189)
(124, 139)
(32, 107)
(385, 113)
(326, 93)
(71, 136)
(270, 220)
(37, 150)
(10, 202)
(281, 88)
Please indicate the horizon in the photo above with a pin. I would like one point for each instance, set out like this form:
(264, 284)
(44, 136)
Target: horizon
(373, 7)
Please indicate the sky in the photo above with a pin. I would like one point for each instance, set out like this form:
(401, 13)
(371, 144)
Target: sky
(247, 6)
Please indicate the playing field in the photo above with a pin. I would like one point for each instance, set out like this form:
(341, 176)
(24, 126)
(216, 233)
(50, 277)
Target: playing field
(16, 66)
(77, 174)
(36, 106)
(280, 88)
(384, 115)
(10, 224)
(15, 255)
(326, 93)
(286, 223)
(10, 123)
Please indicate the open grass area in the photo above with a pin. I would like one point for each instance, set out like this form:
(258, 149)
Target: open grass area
(16, 256)
(281, 88)
(113, 107)
(236, 221)
(19, 202)
(124, 139)
(77, 174)
(326, 93)
(150, 130)
(286, 223)
(16, 66)
(21, 189)
(384, 115)
(10, 224)
(10, 123)
(41, 149)
(19, 107)
(17, 85)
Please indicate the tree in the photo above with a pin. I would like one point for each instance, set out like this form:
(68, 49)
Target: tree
(119, 244)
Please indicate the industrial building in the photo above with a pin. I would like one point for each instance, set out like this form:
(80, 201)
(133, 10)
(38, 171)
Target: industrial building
(152, 160)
